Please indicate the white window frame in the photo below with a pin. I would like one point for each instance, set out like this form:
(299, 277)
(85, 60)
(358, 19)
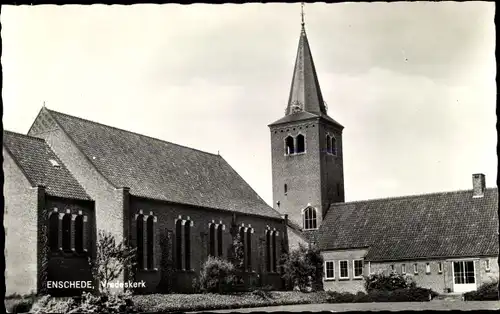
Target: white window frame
(487, 265)
(427, 268)
(326, 272)
(304, 217)
(415, 268)
(403, 269)
(340, 269)
(370, 268)
(354, 268)
(440, 267)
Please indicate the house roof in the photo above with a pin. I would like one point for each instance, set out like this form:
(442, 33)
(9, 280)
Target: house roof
(448, 224)
(161, 170)
(35, 158)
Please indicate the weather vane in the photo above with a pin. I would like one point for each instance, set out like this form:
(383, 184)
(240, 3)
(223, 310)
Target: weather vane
(302, 12)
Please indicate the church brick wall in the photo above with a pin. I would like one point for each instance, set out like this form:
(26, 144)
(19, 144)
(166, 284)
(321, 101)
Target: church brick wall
(20, 223)
(167, 213)
(301, 172)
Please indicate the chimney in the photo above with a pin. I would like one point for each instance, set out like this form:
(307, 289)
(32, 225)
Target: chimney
(478, 185)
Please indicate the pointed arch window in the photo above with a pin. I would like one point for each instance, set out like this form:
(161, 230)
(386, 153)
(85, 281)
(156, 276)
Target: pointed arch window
(219, 240)
(310, 219)
(289, 145)
(187, 244)
(334, 146)
(243, 240)
(140, 240)
(274, 264)
(150, 241)
(211, 239)
(178, 244)
(268, 250)
(79, 245)
(54, 232)
(301, 144)
(66, 232)
(249, 249)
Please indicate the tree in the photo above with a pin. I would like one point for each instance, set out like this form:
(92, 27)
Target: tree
(303, 267)
(112, 260)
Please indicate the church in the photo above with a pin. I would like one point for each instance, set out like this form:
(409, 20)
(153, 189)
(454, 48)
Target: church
(68, 178)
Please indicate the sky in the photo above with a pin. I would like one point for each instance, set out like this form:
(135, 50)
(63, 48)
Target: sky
(413, 83)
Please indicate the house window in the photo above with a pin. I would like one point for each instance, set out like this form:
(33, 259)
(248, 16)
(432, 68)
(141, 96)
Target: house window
(150, 241)
(79, 234)
(329, 270)
(358, 268)
(334, 146)
(415, 269)
(344, 269)
(178, 244)
(310, 218)
(66, 232)
(289, 146)
(440, 267)
(54, 232)
(392, 267)
(187, 244)
(487, 265)
(427, 268)
(301, 145)
(328, 144)
(140, 240)
(274, 251)
(403, 269)
(219, 240)
(211, 239)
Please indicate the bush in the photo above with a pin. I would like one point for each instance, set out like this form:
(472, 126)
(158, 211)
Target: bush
(486, 292)
(217, 276)
(23, 306)
(390, 282)
(416, 294)
(303, 267)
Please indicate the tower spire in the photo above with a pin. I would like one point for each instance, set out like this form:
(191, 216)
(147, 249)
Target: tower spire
(302, 13)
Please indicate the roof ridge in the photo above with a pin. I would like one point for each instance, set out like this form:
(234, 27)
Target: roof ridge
(408, 196)
(131, 132)
(23, 135)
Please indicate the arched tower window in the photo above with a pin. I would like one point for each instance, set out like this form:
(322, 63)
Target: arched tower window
(178, 244)
(79, 234)
(150, 242)
(66, 229)
(328, 144)
(334, 146)
(211, 240)
(140, 240)
(301, 145)
(54, 232)
(310, 218)
(219, 240)
(286, 188)
(289, 146)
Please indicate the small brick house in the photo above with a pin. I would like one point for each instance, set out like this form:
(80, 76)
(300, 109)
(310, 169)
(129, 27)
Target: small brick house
(446, 241)
(175, 204)
(48, 218)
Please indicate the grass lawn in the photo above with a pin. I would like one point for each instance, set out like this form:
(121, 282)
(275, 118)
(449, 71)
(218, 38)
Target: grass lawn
(202, 302)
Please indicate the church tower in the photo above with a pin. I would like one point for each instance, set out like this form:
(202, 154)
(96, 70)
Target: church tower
(306, 146)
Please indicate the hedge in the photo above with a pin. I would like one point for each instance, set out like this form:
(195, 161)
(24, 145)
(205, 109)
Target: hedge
(399, 295)
(486, 292)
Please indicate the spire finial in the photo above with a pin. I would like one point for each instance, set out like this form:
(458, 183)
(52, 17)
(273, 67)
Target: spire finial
(302, 13)
(44, 103)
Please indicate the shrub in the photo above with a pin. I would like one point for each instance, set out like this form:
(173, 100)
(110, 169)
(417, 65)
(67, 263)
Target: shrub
(340, 297)
(486, 292)
(390, 282)
(217, 275)
(112, 259)
(23, 306)
(399, 295)
(303, 267)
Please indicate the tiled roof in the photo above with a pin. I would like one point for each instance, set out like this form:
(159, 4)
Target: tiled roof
(448, 224)
(33, 155)
(161, 170)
